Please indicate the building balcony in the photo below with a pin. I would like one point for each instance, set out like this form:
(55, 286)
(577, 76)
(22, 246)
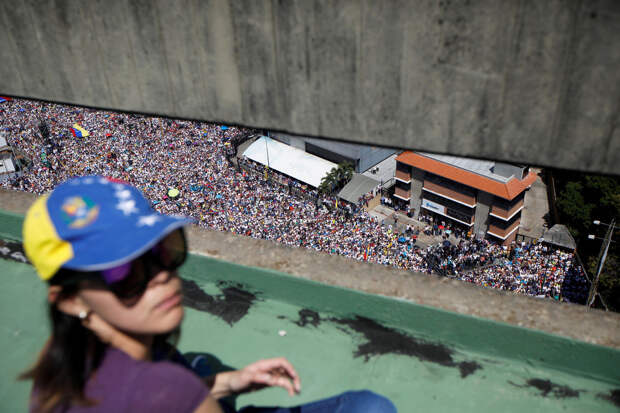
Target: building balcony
(503, 233)
(402, 176)
(451, 194)
(506, 214)
(402, 194)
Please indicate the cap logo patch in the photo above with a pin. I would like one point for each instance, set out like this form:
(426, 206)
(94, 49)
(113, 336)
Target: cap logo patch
(79, 211)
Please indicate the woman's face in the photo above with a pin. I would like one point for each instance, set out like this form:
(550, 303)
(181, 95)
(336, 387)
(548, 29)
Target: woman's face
(157, 311)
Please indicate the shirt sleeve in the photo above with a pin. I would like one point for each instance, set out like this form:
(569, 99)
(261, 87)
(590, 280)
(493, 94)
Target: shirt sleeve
(166, 387)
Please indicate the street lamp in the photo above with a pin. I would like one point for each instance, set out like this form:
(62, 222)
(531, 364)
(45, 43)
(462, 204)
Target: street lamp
(592, 236)
(602, 256)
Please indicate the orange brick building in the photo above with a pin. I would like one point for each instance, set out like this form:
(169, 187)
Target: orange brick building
(484, 197)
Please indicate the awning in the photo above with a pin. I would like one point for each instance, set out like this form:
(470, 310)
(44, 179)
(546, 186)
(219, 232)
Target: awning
(288, 160)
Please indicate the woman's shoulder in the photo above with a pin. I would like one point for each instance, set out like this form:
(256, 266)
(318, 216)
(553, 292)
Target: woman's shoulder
(134, 385)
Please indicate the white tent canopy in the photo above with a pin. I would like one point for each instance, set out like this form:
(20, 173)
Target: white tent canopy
(6, 165)
(288, 160)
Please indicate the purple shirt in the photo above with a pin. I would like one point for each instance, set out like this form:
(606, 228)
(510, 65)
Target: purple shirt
(122, 384)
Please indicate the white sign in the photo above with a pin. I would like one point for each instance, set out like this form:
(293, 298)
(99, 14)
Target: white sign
(433, 206)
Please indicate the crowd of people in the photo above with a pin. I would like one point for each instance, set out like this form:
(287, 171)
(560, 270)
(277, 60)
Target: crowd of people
(158, 154)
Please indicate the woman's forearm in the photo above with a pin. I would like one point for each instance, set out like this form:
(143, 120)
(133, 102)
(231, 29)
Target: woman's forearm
(220, 384)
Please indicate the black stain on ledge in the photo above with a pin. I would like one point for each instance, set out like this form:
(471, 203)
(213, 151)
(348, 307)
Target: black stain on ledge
(613, 396)
(231, 305)
(549, 388)
(380, 340)
(307, 316)
(13, 250)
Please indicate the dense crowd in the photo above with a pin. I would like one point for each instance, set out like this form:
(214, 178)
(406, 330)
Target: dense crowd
(158, 154)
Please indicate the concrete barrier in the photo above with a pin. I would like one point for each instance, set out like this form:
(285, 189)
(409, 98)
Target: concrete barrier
(535, 82)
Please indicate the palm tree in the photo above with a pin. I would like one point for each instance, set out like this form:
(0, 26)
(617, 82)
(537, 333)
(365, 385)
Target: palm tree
(344, 173)
(337, 178)
(328, 183)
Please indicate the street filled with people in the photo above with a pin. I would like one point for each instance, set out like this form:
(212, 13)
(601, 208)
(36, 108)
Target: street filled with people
(190, 168)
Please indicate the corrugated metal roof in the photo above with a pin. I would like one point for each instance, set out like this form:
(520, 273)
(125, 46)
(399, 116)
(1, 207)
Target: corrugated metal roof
(357, 186)
(560, 235)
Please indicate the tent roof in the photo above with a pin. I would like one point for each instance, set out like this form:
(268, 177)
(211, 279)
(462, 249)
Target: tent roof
(3, 144)
(560, 236)
(357, 186)
(291, 161)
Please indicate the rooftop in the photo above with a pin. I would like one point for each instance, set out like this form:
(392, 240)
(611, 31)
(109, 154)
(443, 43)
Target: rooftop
(270, 302)
(291, 161)
(560, 236)
(459, 172)
(479, 166)
(358, 185)
(384, 170)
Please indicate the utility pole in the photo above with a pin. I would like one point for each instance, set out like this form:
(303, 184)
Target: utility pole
(601, 260)
(267, 151)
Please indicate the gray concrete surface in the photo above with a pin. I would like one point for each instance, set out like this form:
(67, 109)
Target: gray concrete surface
(535, 82)
(481, 217)
(535, 207)
(593, 326)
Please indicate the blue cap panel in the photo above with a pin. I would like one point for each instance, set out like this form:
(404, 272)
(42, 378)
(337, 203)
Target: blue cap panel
(107, 223)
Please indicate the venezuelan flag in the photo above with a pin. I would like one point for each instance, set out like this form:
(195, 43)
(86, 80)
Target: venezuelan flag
(78, 131)
(4, 99)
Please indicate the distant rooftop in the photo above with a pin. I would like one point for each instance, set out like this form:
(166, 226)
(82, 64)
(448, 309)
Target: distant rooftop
(359, 185)
(482, 175)
(560, 235)
(384, 170)
(478, 166)
(291, 161)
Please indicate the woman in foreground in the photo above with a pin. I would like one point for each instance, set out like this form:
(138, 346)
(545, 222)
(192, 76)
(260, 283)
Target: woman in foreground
(111, 263)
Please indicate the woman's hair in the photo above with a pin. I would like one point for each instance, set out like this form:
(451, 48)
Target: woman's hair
(71, 355)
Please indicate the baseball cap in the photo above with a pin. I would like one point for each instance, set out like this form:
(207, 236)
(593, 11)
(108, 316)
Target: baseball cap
(92, 223)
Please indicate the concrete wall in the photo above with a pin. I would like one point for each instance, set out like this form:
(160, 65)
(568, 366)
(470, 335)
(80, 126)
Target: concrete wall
(417, 183)
(484, 200)
(527, 81)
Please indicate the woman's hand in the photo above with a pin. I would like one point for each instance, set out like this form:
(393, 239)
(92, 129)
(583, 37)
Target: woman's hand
(258, 375)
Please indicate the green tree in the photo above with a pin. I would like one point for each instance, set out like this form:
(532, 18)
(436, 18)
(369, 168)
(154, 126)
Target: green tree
(574, 211)
(336, 179)
(582, 198)
(609, 281)
(328, 183)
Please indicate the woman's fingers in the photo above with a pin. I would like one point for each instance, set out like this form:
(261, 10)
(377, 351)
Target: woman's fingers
(276, 380)
(283, 367)
(275, 372)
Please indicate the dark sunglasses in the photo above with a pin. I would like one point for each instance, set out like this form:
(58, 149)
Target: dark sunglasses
(133, 277)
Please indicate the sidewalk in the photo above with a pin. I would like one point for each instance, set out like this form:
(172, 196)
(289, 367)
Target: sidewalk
(386, 215)
(535, 208)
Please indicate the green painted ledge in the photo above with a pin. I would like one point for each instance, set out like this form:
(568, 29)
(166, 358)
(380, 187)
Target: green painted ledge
(466, 332)
(508, 345)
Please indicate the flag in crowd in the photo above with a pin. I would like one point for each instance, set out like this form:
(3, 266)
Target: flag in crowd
(4, 99)
(78, 131)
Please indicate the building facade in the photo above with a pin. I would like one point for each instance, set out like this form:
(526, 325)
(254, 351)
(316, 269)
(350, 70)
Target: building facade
(9, 166)
(484, 197)
(362, 157)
